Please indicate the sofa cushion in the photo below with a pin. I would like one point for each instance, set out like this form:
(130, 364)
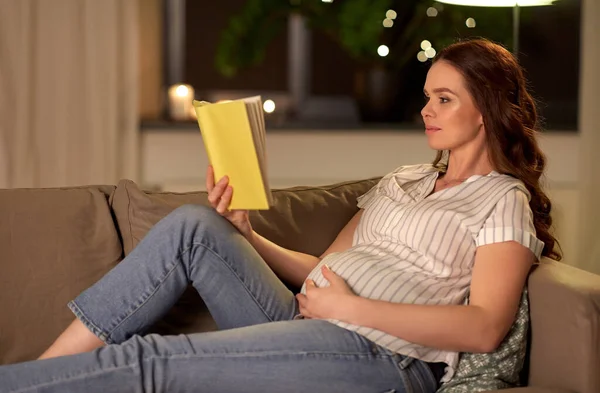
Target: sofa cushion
(54, 243)
(305, 219)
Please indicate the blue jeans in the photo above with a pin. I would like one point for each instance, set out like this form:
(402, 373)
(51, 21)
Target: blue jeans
(259, 347)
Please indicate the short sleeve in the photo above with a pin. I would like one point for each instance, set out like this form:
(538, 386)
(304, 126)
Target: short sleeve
(511, 220)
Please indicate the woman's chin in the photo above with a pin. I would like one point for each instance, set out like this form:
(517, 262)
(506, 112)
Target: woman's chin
(436, 144)
(439, 141)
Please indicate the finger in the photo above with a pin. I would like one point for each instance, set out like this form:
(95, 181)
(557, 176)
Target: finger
(217, 192)
(210, 178)
(303, 310)
(328, 274)
(309, 286)
(225, 201)
(305, 313)
(301, 300)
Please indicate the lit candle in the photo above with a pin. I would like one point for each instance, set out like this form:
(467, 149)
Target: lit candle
(180, 102)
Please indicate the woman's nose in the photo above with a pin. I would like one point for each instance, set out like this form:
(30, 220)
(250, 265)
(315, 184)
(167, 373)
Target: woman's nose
(426, 111)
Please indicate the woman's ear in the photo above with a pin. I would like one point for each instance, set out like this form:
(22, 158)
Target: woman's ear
(481, 123)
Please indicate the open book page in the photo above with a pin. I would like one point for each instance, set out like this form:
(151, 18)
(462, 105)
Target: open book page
(228, 138)
(257, 125)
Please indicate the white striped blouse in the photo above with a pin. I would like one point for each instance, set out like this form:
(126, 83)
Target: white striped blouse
(413, 245)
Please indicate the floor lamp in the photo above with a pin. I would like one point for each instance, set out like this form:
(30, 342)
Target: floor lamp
(516, 4)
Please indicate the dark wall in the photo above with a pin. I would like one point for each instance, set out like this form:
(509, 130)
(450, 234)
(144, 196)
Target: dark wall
(550, 55)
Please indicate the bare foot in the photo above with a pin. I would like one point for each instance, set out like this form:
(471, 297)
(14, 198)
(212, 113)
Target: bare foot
(75, 339)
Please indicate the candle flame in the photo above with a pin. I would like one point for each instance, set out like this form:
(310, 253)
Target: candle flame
(182, 91)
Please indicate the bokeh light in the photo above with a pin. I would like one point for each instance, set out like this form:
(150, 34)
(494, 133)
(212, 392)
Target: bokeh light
(383, 50)
(269, 106)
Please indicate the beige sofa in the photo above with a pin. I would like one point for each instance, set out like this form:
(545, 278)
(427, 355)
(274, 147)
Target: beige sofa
(54, 243)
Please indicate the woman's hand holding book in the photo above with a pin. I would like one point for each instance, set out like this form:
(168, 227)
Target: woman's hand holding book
(219, 197)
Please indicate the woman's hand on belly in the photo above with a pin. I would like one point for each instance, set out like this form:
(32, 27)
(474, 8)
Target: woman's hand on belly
(330, 302)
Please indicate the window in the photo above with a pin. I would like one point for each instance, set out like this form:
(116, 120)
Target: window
(549, 52)
(549, 41)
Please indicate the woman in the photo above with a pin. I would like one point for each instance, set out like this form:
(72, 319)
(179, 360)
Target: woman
(382, 309)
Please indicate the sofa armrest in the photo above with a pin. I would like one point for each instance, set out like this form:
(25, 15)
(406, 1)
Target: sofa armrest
(565, 328)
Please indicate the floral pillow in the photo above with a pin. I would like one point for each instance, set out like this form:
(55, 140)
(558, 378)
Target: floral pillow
(478, 372)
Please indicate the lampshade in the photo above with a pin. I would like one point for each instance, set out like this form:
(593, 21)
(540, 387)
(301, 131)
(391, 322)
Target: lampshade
(498, 3)
(516, 4)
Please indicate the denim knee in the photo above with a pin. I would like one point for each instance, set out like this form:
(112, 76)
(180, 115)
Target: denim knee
(200, 218)
(194, 212)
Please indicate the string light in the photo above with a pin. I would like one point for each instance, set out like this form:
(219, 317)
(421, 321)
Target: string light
(470, 23)
(432, 12)
(391, 14)
(425, 44)
(421, 56)
(383, 50)
(388, 22)
(430, 53)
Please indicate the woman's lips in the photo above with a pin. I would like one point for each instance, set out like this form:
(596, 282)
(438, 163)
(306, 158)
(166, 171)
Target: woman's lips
(431, 129)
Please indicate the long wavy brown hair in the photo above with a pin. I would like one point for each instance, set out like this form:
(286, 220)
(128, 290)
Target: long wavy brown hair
(499, 89)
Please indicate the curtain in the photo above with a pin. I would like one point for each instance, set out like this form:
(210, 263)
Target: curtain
(589, 127)
(68, 92)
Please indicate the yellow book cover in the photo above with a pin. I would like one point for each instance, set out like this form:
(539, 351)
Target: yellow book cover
(234, 137)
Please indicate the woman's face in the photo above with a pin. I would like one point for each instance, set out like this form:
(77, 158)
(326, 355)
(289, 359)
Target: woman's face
(451, 119)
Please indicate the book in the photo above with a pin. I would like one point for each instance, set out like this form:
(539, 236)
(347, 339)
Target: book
(234, 138)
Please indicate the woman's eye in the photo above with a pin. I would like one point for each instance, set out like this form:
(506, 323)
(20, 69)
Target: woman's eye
(443, 100)
(426, 98)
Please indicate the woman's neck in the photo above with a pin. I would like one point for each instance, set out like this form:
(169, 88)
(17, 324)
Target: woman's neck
(462, 166)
